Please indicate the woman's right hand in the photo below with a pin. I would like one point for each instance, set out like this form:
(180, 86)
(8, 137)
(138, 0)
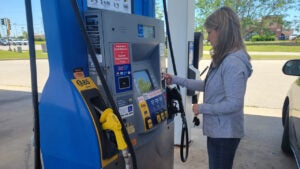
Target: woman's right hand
(168, 78)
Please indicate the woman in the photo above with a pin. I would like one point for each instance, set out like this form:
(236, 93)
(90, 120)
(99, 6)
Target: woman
(224, 88)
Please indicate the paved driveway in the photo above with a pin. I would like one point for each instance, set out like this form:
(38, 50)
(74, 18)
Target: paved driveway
(259, 149)
(267, 86)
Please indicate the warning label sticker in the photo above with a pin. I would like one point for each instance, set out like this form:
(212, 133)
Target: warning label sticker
(121, 53)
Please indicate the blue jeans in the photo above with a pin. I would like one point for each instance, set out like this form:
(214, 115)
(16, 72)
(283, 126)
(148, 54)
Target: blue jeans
(221, 152)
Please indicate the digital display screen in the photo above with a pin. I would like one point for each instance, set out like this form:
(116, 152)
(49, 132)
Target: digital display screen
(145, 31)
(142, 81)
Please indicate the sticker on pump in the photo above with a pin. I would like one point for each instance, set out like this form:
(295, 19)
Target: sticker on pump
(126, 111)
(121, 53)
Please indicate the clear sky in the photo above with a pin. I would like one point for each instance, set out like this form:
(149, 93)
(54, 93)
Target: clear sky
(15, 11)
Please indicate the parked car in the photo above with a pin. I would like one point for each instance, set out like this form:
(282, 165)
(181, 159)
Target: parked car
(25, 42)
(292, 37)
(17, 42)
(3, 42)
(291, 112)
(10, 41)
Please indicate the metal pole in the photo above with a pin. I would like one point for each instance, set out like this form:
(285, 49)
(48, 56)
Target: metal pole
(34, 88)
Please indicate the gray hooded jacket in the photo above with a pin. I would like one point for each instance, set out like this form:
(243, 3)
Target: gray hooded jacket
(224, 91)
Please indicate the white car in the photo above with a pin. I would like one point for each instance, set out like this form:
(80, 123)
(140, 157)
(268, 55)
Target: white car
(292, 37)
(291, 112)
(25, 42)
(17, 42)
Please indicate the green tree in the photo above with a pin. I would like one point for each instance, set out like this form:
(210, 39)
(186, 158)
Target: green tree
(159, 11)
(25, 34)
(250, 12)
(296, 23)
(287, 25)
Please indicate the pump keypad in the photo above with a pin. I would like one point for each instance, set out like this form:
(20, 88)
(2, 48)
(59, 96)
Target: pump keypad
(153, 109)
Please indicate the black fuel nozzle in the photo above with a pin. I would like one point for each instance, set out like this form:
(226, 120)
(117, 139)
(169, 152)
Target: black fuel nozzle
(173, 93)
(196, 121)
(174, 101)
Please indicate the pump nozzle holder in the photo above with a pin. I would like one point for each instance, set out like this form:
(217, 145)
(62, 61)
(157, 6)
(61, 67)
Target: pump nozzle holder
(110, 121)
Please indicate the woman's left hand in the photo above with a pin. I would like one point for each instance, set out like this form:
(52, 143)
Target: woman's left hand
(196, 109)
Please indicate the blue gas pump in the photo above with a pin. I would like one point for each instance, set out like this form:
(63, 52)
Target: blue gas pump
(73, 113)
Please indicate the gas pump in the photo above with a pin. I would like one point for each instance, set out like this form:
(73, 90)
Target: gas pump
(132, 48)
(104, 96)
(80, 126)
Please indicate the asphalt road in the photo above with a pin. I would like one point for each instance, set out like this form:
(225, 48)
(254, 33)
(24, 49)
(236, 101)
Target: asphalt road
(260, 149)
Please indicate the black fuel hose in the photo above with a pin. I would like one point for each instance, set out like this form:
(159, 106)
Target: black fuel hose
(34, 88)
(103, 81)
(184, 131)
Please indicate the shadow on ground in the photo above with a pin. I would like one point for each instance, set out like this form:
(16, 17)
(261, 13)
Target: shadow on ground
(260, 148)
(16, 124)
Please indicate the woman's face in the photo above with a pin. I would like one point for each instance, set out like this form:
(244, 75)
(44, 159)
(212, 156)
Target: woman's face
(212, 36)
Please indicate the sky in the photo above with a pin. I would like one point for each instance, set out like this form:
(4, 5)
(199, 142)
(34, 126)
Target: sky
(15, 11)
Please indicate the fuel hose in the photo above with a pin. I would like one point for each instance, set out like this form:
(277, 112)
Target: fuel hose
(103, 81)
(184, 129)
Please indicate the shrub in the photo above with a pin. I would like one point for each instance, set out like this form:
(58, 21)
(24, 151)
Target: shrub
(255, 38)
(262, 38)
(39, 39)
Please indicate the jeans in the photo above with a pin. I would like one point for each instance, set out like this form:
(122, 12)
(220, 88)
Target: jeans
(221, 152)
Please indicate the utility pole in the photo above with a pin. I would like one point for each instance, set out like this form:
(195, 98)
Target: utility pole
(8, 27)
(15, 29)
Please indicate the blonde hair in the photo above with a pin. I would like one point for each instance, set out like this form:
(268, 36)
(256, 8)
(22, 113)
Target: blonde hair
(227, 24)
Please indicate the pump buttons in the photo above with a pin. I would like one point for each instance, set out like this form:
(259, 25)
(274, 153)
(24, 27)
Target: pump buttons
(148, 123)
(162, 115)
(158, 118)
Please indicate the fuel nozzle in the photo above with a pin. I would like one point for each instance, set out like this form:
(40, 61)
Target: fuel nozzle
(110, 121)
(196, 120)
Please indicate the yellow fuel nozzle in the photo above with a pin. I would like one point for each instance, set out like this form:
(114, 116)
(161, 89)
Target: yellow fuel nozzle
(110, 121)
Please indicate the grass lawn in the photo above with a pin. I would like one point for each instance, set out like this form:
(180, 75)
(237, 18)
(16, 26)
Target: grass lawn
(264, 57)
(276, 46)
(9, 55)
(39, 42)
(273, 48)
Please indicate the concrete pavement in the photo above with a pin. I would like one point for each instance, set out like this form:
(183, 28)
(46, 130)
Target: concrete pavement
(259, 149)
(267, 80)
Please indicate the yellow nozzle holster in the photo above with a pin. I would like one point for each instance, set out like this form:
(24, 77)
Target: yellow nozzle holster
(110, 121)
